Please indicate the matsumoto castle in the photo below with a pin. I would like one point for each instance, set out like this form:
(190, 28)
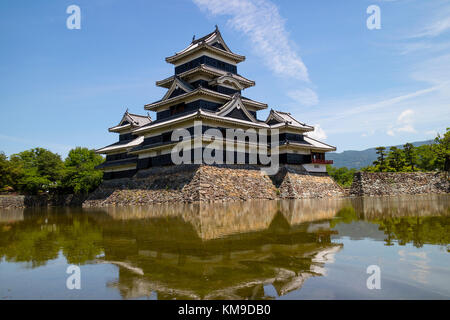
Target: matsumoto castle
(206, 87)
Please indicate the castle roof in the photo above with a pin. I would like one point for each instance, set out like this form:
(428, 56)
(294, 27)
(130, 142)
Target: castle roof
(121, 145)
(235, 104)
(130, 120)
(212, 42)
(310, 143)
(200, 113)
(285, 118)
(177, 83)
(205, 92)
(203, 68)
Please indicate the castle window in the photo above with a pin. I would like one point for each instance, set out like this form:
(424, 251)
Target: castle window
(177, 109)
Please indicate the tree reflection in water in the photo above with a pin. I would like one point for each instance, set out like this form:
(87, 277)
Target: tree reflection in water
(216, 251)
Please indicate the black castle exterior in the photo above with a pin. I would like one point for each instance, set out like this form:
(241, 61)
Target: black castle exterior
(206, 87)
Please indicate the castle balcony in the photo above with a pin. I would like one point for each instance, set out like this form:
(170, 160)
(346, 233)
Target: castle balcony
(321, 161)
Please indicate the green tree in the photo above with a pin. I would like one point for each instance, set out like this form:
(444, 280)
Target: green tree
(441, 147)
(396, 159)
(435, 156)
(80, 173)
(10, 174)
(410, 155)
(343, 176)
(42, 170)
(370, 169)
(380, 163)
(5, 179)
(426, 158)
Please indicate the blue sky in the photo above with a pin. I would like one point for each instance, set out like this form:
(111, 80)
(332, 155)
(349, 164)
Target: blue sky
(62, 88)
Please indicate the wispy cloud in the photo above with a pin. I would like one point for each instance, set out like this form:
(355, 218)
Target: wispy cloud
(306, 96)
(404, 123)
(408, 113)
(435, 28)
(262, 23)
(363, 108)
(427, 35)
(318, 133)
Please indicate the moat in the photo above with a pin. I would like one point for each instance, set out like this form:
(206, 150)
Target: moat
(258, 249)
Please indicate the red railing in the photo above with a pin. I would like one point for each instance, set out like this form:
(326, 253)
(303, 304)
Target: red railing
(320, 161)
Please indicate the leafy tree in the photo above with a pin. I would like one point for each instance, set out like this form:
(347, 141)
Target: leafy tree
(442, 151)
(396, 159)
(5, 179)
(426, 158)
(410, 155)
(80, 174)
(10, 174)
(435, 156)
(343, 176)
(380, 163)
(42, 170)
(370, 169)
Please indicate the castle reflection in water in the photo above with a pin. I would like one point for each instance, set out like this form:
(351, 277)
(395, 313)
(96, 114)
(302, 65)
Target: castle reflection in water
(232, 250)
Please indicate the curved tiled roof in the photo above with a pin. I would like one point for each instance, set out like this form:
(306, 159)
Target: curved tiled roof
(130, 120)
(207, 42)
(288, 119)
(166, 83)
(117, 146)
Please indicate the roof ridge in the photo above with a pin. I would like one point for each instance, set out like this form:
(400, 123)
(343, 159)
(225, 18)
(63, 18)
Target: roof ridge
(282, 112)
(137, 115)
(203, 38)
(320, 141)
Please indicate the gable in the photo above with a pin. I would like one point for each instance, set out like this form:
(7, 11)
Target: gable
(177, 88)
(236, 109)
(176, 92)
(238, 114)
(219, 45)
(272, 122)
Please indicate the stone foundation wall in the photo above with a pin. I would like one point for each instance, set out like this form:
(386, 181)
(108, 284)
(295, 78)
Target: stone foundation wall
(12, 201)
(189, 183)
(26, 201)
(296, 183)
(399, 183)
(185, 183)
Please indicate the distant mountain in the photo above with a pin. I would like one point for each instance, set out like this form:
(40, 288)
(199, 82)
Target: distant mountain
(359, 159)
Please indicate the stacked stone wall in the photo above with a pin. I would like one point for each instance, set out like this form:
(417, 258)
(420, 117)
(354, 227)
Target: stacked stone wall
(27, 201)
(189, 183)
(399, 183)
(296, 183)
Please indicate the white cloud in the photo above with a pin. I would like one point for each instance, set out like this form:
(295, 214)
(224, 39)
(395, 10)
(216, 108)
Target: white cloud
(405, 116)
(261, 22)
(404, 123)
(437, 24)
(435, 70)
(426, 36)
(429, 46)
(352, 109)
(435, 28)
(318, 133)
(305, 97)
(378, 113)
(407, 128)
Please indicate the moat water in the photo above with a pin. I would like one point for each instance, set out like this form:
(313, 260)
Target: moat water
(296, 249)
